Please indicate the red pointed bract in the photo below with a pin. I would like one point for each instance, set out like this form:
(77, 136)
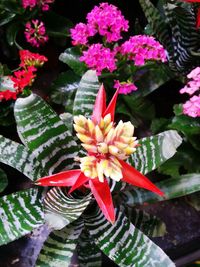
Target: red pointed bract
(112, 105)
(101, 192)
(99, 106)
(65, 178)
(198, 18)
(82, 179)
(134, 177)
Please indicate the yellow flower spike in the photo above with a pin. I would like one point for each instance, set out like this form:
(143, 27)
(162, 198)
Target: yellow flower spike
(128, 129)
(79, 129)
(98, 134)
(113, 150)
(107, 120)
(109, 136)
(91, 126)
(129, 150)
(107, 129)
(80, 120)
(100, 172)
(102, 148)
(90, 148)
(84, 138)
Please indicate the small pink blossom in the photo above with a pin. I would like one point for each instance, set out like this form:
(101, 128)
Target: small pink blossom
(44, 4)
(108, 20)
(35, 33)
(192, 107)
(29, 3)
(99, 58)
(142, 48)
(80, 34)
(193, 84)
(125, 87)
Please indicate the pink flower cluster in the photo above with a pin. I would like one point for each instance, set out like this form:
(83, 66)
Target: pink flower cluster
(142, 48)
(106, 20)
(35, 33)
(99, 58)
(192, 106)
(125, 87)
(43, 4)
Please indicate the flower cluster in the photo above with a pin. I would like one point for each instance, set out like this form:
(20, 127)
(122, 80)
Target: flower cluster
(35, 33)
(99, 58)
(125, 87)
(107, 21)
(192, 106)
(43, 4)
(141, 48)
(23, 77)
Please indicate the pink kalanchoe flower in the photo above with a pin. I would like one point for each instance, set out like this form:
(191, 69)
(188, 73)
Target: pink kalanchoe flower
(108, 20)
(99, 58)
(193, 84)
(142, 48)
(44, 4)
(80, 34)
(35, 33)
(192, 107)
(125, 87)
(29, 3)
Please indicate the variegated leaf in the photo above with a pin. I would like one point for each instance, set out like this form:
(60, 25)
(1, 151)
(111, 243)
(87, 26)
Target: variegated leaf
(62, 209)
(45, 134)
(150, 225)
(172, 188)
(89, 254)
(20, 213)
(125, 244)
(20, 158)
(86, 94)
(60, 246)
(155, 150)
(3, 180)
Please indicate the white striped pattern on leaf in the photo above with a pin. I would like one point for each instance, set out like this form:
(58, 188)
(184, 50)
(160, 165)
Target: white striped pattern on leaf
(150, 225)
(20, 158)
(124, 244)
(20, 213)
(86, 94)
(62, 209)
(172, 188)
(89, 254)
(59, 247)
(155, 150)
(45, 134)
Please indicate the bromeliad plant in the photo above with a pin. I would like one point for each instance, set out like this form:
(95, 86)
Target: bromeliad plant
(75, 221)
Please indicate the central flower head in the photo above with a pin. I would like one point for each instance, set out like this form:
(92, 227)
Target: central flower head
(106, 144)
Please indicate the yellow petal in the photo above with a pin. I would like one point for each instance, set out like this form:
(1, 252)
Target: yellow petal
(79, 129)
(84, 138)
(90, 148)
(98, 134)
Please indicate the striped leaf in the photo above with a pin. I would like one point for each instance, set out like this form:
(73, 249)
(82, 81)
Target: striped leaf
(155, 150)
(3, 180)
(123, 243)
(60, 246)
(20, 213)
(150, 225)
(44, 133)
(62, 209)
(86, 94)
(89, 254)
(20, 158)
(173, 188)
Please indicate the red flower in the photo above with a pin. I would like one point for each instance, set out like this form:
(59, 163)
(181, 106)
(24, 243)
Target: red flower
(31, 59)
(107, 147)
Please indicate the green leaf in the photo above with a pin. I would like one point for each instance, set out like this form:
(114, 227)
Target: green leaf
(159, 124)
(149, 224)
(6, 17)
(20, 213)
(62, 209)
(86, 94)
(3, 180)
(6, 84)
(155, 150)
(60, 246)
(194, 200)
(6, 115)
(20, 158)
(11, 33)
(45, 134)
(172, 188)
(124, 244)
(88, 253)
(71, 57)
(64, 87)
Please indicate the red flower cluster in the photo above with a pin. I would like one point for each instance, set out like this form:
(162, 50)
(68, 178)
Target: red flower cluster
(25, 76)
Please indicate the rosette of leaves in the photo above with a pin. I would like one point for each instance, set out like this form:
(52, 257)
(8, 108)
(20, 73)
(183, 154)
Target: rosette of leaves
(75, 222)
(173, 23)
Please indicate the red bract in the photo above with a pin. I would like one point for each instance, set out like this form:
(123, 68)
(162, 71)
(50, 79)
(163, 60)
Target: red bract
(107, 146)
